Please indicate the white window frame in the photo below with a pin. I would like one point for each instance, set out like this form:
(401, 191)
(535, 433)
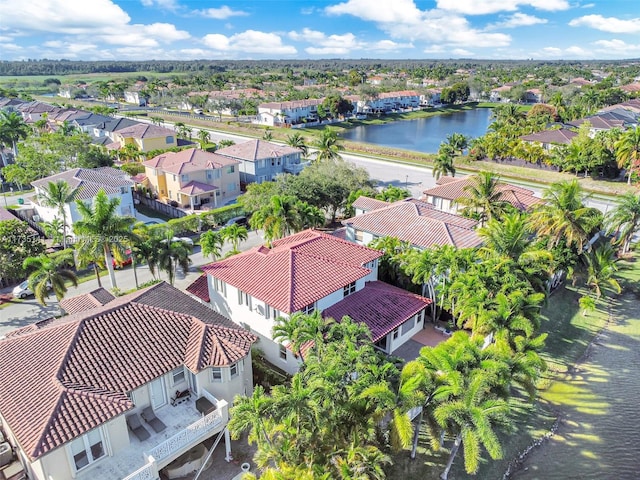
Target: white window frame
(244, 298)
(232, 367)
(395, 333)
(358, 236)
(220, 286)
(349, 289)
(282, 353)
(87, 450)
(309, 309)
(178, 372)
(216, 378)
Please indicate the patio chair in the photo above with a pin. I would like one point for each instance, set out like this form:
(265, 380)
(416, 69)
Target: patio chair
(135, 425)
(149, 416)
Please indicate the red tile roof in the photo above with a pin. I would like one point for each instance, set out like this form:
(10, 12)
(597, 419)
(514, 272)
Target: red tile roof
(200, 288)
(368, 203)
(89, 181)
(453, 189)
(197, 188)
(64, 377)
(380, 306)
(189, 160)
(144, 130)
(418, 223)
(81, 303)
(297, 271)
(562, 136)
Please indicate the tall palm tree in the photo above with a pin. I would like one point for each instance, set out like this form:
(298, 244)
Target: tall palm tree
(328, 147)
(279, 218)
(101, 228)
(624, 219)
(628, 151)
(57, 195)
(234, 234)
(484, 197)
(458, 142)
(443, 163)
(300, 329)
(564, 215)
(297, 141)
(249, 414)
(172, 255)
(50, 273)
(601, 269)
(12, 129)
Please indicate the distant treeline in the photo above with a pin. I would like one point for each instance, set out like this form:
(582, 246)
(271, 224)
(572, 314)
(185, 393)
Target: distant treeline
(68, 67)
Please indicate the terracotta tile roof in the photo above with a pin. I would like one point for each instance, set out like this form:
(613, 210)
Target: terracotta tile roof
(455, 188)
(254, 150)
(600, 122)
(63, 377)
(197, 188)
(562, 136)
(200, 288)
(189, 160)
(402, 93)
(90, 181)
(145, 130)
(80, 303)
(6, 215)
(418, 223)
(297, 271)
(291, 104)
(367, 203)
(380, 306)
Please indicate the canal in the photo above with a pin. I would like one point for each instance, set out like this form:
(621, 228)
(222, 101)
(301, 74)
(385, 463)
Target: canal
(422, 134)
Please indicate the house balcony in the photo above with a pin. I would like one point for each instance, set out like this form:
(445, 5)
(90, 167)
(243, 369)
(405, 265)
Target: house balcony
(186, 427)
(296, 168)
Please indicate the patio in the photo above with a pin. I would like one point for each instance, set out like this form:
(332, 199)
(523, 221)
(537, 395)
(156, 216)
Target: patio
(430, 336)
(177, 419)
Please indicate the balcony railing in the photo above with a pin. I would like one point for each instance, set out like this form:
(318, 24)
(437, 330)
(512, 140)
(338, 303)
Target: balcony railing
(164, 453)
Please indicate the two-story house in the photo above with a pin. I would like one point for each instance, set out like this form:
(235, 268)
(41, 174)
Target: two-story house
(73, 389)
(291, 112)
(193, 177)
(261, 161)
(145, 137)
(444, 196)
(414, 221)
(305, 272)
(88, 182)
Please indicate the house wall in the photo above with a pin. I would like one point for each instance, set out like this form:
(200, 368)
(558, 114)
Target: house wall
(394, 344)
(229, 387)
(444, 204)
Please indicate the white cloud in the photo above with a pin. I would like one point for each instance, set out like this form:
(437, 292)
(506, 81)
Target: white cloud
(607, 24)
(518, 20)
(461, 52)
(588, 5)
(615, 46)
(221, 13)
(404, 11)
(388, 46)
(341, 44)
(307, 35)
(483, 7)
(250, 41)
(571, 52)
(577, 51)
(171, 5)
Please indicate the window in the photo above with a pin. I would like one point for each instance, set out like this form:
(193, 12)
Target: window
(309, 309)
(408, 325)
(177, 376)
(233, 370)
(169, 139)
(231, 169)
(244, 298)
(184, 178)
(349, 289)
(220, 286)
(283, 352)
(87, 449)
(359, 236)
(395, 333)
(267, 311)
(209, 174)
(216, 374)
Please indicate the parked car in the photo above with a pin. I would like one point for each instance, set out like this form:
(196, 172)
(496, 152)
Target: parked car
(128, 260)
(185, 240)
(242, 221)
(23, 290)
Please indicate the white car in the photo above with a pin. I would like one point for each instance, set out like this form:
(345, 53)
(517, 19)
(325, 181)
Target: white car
(23, 290)
(185, 240)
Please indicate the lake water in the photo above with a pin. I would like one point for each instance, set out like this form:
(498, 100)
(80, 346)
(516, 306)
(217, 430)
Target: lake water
(422, 134)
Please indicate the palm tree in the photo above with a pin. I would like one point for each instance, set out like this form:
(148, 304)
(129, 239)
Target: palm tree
(471, 413)
(249, 414)
(300, 329)
(601, 269)
(12, 129)
(267, 135)
(484, 197)
(458, 142)
(54, 230)
(443, 163)
(101, 228)
(57, 195)
(204, 137)
(628, 151)
(234, 234)
(624, 219)
(172, 255)
(50, 273)
(328, 146)
(297, 141)
(564, 216)
(279, 218)
(211, 243)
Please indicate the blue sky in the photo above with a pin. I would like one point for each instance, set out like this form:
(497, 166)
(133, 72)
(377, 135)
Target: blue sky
(259, 29)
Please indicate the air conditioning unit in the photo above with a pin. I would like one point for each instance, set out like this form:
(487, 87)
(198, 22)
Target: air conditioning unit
(36, 218)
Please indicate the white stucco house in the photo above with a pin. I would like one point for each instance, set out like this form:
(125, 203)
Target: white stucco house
(306, 272)
(73, 387)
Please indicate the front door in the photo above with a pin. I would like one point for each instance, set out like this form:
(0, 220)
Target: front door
(157, 393)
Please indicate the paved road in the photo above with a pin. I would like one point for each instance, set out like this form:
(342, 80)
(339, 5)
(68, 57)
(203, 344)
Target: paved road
(27, 311)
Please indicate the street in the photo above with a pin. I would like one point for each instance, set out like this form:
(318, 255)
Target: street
(27, 311)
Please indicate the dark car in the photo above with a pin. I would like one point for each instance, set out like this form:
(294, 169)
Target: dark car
(242, 221)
